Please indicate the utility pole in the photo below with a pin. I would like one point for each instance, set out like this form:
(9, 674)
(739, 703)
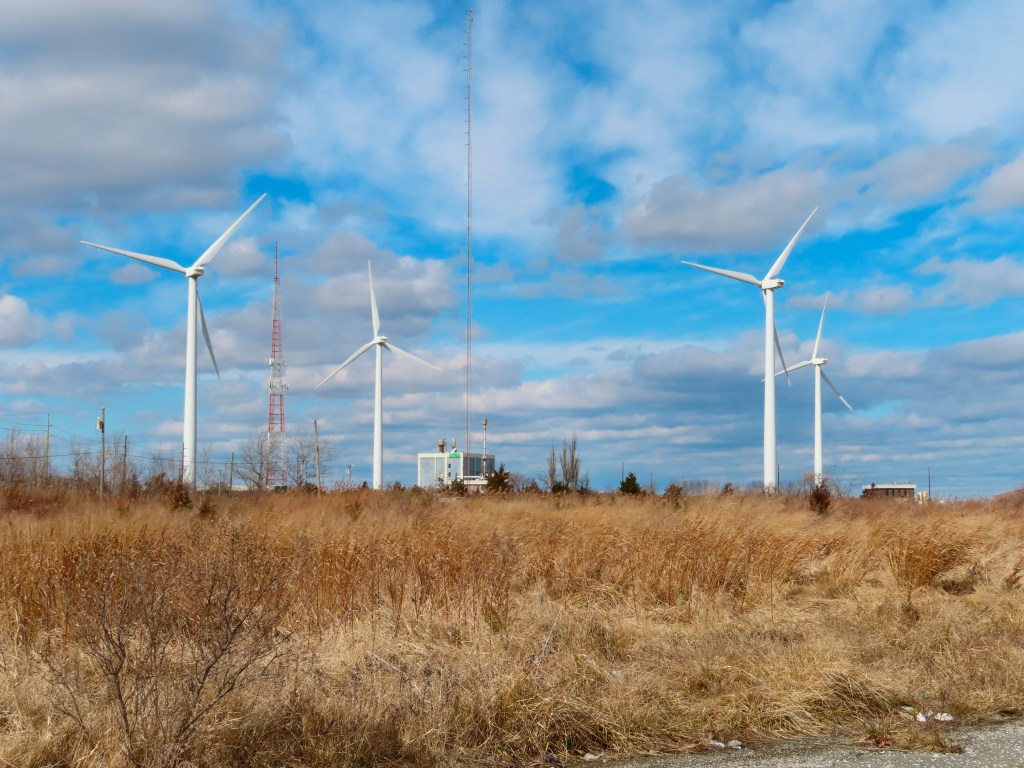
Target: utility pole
(929, 484)
(124, 465)
(316, 442)
(231, 472)
(46, 469)
(101, 425)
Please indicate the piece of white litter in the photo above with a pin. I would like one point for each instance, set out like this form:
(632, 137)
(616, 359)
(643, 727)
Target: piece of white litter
(944, 717)
(735, 744)
(717, 744)
(590, 757)
(921, 717)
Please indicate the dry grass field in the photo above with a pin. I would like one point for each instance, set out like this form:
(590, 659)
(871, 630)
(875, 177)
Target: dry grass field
(408, 628)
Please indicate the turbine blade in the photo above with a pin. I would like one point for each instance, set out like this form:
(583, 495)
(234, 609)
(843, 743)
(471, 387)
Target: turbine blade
(156, 261)
(206, 333)
(741, 276)
(838, 393)
(781, 261)
(821, 324)
(354, 355)
(393, 348)
(796, 367)
(778, 346)
(373, 303)
(214, 249)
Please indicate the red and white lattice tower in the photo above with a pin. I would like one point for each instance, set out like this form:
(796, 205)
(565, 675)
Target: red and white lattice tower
(277, 474)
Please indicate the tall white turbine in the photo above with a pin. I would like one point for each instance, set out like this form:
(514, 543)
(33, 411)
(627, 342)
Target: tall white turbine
(381, 343)
(768, 286)
(195, 307)
(819, 374)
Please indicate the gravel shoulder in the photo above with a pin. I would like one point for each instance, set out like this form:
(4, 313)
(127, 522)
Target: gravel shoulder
(991, 746)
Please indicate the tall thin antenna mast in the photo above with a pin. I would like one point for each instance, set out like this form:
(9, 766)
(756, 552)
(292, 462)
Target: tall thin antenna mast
(277, 474)
(469, 233)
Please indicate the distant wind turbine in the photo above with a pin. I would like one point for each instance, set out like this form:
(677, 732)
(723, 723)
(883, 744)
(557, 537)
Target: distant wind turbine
(381, 343)
(819, 374)
(768, 286)
(195, 307)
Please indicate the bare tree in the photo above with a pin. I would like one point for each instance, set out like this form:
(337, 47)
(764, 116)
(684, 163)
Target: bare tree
(85, 463)
(563, 471)
(569, 463)
(552, 475)
(254, 459)
(212, 474)
(23, 460)
(163, 468)
(301, 459)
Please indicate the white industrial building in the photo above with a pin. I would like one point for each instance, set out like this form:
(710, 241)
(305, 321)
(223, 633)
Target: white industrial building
(441, 468)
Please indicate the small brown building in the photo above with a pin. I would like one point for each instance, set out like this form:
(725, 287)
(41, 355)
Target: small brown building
(890, 491)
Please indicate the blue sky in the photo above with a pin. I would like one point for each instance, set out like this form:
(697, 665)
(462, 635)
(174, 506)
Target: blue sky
(611, 141)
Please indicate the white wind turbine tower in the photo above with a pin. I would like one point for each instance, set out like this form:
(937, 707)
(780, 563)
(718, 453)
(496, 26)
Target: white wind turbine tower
(381, 343)
(819, 374)
(195, 307)
(768, 286)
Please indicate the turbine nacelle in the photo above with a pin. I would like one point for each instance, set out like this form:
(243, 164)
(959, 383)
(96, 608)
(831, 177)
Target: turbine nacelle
(380, 340)
(195, 271)
(819, 361)
(771, 283)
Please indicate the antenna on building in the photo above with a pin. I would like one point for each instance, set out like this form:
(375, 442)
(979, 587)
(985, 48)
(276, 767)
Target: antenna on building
(277, 475)
(483, 461)
(469, 226)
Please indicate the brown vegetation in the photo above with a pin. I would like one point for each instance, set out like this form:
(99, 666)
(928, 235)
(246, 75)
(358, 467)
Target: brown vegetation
(367, 628)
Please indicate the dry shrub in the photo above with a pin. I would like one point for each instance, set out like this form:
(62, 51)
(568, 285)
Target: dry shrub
(149, 634)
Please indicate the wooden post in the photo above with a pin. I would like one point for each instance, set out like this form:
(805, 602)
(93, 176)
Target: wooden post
(101, 425)
(316, 441)
(124, 465)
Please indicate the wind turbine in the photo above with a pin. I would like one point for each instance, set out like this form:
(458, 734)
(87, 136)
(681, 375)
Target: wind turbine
(381, 343)
(768, 286)
(195, 307)
(819, 374)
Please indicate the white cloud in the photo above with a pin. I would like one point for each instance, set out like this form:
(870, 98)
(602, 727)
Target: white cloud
(1003, 189)
(19, 327)
(132, 274)
(758, 213)
(919, 174)
(884, 299)
(974, 282)
(959, 73)
(124, 105)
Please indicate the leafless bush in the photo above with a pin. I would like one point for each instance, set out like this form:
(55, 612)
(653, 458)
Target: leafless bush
(157, 634)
